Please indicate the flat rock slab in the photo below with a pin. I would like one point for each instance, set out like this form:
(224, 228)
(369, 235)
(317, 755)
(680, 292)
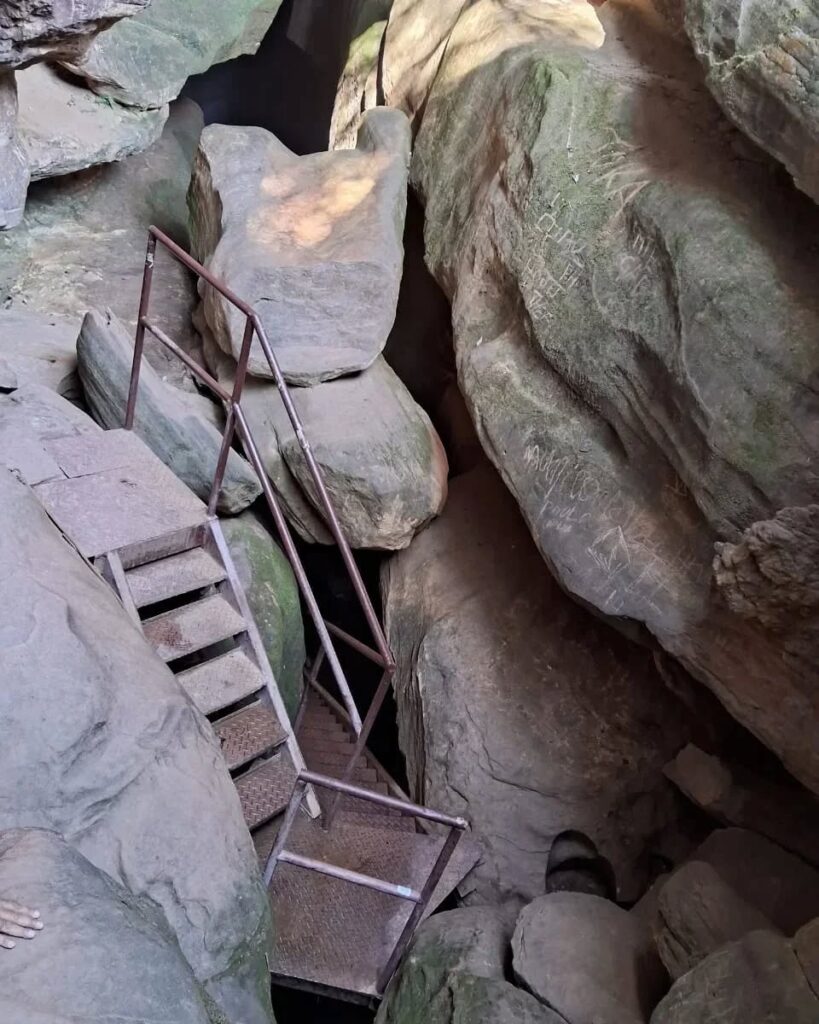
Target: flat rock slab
(313, 244)
(65, 127)
(41, 349)
(145, 61)
(115, 492)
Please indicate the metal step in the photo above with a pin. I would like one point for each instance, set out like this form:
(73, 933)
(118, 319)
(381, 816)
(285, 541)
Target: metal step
(222, 681)
(193, 627)
(265, 791)
(171, 577)
(248, 734)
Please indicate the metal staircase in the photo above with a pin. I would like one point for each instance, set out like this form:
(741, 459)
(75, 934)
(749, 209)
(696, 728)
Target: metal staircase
(347, 891)
(184, 593)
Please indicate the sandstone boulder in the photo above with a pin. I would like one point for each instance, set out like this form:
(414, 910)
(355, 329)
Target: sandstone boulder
(41, 350)
(273, 596)
(781, 886)
(14, 173)
(144, 62)
(517, 708)
(587, 959)
(383, 464)
(455, 971)
(109, 752)
(313, 243)
(806, 947)
(698, 913)
(762, 65)
(177, 426)
(104, 953)
(82, 242)
(65, 128)
(35, 30)
(358, 89)
(635, 324)
(734, 795)
(753, 981)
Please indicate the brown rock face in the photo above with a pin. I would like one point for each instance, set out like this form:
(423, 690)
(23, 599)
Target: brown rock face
(635, 328)
(516, 707)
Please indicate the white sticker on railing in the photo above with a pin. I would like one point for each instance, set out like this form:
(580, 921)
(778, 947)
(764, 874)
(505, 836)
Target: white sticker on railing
(405, 891)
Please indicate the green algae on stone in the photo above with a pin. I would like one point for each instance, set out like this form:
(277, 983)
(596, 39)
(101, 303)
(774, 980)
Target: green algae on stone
(273, 596)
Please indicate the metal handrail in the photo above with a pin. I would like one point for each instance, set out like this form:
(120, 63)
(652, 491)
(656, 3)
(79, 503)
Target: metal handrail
(237, 422)
(420, 899)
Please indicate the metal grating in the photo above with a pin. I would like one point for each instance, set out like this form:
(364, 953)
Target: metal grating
(222, 681)
(248, 734)
(173, 576)
(265, 791)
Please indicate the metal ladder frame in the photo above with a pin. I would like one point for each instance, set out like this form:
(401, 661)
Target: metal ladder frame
(236, 423)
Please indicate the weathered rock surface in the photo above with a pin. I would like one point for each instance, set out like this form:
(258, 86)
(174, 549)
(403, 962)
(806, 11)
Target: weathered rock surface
(806, 946)
(82, 242)
(179, 427)
(65, 128)
(144, 62)
(110, 753)
(358, 89)
(587, 959)
(782, 887)
(313, 243)
(771, 578)
(35, 30)
(455, 972)
(40, 349)
(762, 64)
(634, 324)
(104, 954)
(753, 981)
(14, 173)
(516, 707)
(383, 464)
(698, 913)
(734, 795)
(273, 596)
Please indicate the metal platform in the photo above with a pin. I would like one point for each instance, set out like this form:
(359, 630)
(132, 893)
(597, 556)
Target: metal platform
(114, 492)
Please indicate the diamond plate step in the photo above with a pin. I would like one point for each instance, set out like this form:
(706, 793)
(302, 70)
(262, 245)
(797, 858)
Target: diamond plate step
(265, 791)
(173, 576)
(223, 681)
(248, 734)
(192, 627)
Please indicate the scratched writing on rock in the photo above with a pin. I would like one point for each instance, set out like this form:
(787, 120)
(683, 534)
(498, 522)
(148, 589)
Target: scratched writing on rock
(633, 553)
(540, 284)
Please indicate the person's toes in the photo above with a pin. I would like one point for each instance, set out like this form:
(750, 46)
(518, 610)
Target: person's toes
(7, 943)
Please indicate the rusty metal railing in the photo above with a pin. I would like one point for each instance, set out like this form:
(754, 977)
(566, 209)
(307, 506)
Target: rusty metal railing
(420, 897)
(236, 423)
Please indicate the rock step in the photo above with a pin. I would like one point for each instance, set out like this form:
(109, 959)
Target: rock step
(248, 734)
(193, 627)
(173, 576)
(265, 791)
(222, 681)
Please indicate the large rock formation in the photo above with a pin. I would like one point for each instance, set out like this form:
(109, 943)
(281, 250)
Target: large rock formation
(177, 426)
(313, 243)
(144, 62)
(588, 959)
(762, 64)
(455, 971)
(753, 981)
(38, 349)
(635, 331)
(383, 464)
(82, 242)
(65, 128)
(104, 954)
(516, 707)
(35, 30)
(109, 752)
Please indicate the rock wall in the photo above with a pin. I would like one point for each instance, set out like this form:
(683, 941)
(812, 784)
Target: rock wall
(634, 318)
(518, 709)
